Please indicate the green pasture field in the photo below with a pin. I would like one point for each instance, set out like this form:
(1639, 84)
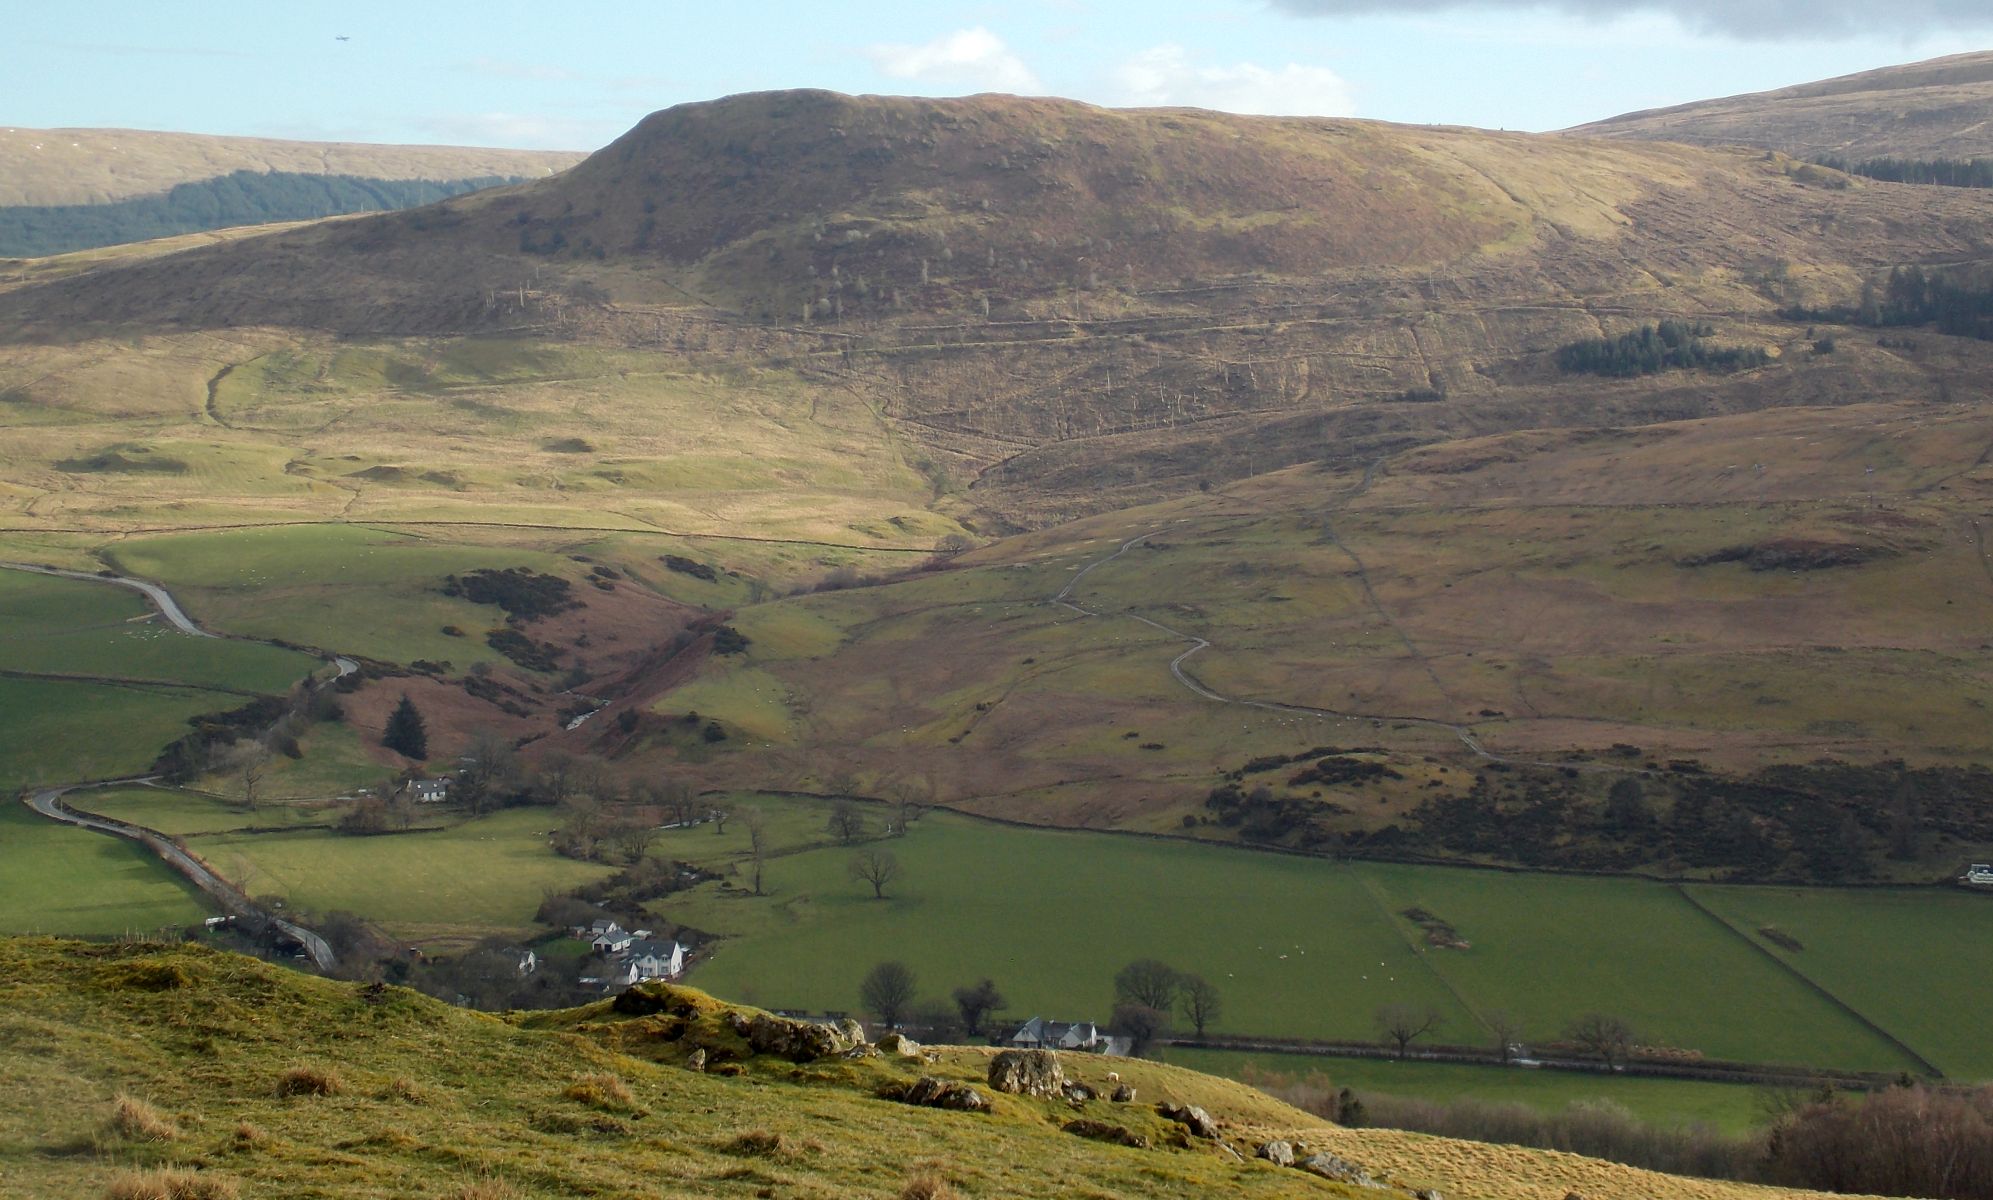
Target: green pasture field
(1052, 916)
(1910, 960)
(1731, 1107)
(1300, 947)
(436, 888)
(56, 732)
(60, 879)
(73, 627)
(349, 588)
(1550, 948)
(175, 812)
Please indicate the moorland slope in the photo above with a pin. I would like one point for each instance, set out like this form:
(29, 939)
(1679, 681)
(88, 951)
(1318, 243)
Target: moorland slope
(1940, 108)
(46, 167)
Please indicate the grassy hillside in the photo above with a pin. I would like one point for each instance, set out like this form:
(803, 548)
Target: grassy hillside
(238, 198)
(1933, 109)
(386, 1084)
(99, 166)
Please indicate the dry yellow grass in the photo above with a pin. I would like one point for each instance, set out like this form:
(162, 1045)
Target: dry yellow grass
(170, 1184)
(134, 1119)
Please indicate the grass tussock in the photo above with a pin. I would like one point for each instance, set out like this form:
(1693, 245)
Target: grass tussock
(929, 1186)
(757, 1143)
(249, 1135)
(310, 1080)
(169, 1184)
(135, 1120)
(406, 1090)
(485, 1189)
(602, 1090)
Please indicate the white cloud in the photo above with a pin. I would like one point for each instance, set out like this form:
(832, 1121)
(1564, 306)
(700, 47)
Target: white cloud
(1753, 19)
(968, 59)
(521, 131)
(1164, 75)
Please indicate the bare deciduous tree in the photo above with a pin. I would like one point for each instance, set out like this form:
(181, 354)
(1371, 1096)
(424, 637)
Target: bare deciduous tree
(1507, 1028)
(1202, 1005)
(252, 763)
(1603, 1036)
(1140, 1023)
(757, 844)
(1403, 1024)
(876, 867)
(492, 770)
(847, 824)
(888, 992)
(1149, 983)
(976, 1004)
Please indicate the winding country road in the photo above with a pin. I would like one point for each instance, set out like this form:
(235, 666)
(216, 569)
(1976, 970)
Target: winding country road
(48, 801)
(1065, 600)
(161, 599)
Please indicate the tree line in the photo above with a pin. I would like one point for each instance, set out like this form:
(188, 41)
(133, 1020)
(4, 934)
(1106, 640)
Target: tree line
(238, 198)
(1957, 302)
(1651, 349)
(1941, 172)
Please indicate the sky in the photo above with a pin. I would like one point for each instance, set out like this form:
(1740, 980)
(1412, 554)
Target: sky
(576, 75)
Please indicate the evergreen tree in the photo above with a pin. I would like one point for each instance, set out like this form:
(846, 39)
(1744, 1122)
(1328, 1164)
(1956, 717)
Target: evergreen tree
(405, 734)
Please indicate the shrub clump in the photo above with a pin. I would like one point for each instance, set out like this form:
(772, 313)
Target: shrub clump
(690, 566)
(524, 595)
(532, 655)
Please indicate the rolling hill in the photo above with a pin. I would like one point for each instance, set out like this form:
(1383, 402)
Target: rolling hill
(74, 189)
(1942, 108)
(1311, 374)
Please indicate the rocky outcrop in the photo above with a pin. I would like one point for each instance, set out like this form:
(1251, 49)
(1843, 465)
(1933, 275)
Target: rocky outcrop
(1280, 1154)
(898, 1045)
(1077, 1092)
(797, 1041)
(1124, 1094)
(696, 1061)
(1190, 1117)
(1027, 1073)
(1104, 1131)
(1328, 1166)
(930, 1092)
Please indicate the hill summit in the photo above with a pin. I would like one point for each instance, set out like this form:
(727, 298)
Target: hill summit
(1940, 108)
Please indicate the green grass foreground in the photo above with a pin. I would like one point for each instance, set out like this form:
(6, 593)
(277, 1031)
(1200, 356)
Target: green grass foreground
(240, 1079)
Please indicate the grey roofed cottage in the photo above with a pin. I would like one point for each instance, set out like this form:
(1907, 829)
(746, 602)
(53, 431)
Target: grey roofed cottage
(1040, 1034)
